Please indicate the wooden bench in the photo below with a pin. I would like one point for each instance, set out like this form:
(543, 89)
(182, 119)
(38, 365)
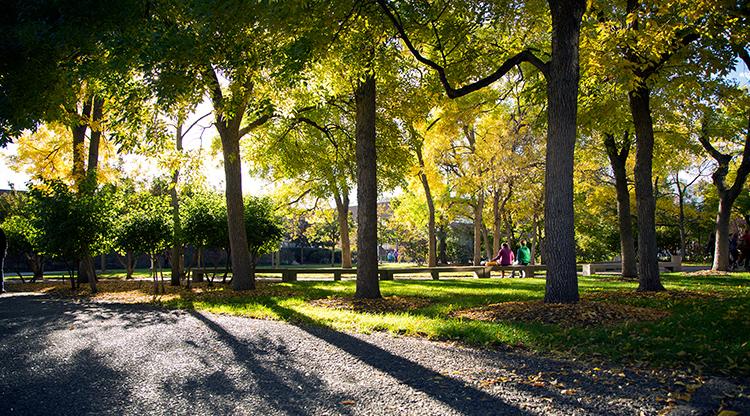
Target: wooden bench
(388, 273)
(528, 270)
(674, 265)
(290, 274)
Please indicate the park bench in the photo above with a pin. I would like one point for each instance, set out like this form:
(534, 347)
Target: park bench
(290, 274)
(674, 265)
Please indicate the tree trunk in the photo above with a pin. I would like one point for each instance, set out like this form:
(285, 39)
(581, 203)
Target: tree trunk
(648, 264)
(487, 245)
(103, 262)
(95, 139)
(342, 212)
(368, 285)
(431, 237)
(431, 233)
(618, 160)
(130, 267)
(721, 248)
(36, 264)
(562, 96)
(87, 272)
(442, 235)
(243, 277)
(79, 143)
(533, 239)
(681, 201)
(496, 222)
(478, 208)
(177, 249)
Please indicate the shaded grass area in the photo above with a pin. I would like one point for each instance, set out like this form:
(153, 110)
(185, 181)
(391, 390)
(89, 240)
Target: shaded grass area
(706, 324)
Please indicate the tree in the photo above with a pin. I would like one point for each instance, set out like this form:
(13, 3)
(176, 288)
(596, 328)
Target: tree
(312, 153)
(618, 158)
(263, 227)
(561, 73)
(204, 219)
(72, 224)
(727, 125)
(230, 54)
(326, 230)
(147, 228)
(22, 236)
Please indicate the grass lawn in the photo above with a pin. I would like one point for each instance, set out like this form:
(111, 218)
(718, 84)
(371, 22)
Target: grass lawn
(702, 322)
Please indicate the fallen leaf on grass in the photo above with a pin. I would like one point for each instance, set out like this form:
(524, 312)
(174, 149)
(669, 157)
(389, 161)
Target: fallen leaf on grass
(382, 305)
(347, 402)
(584, 313)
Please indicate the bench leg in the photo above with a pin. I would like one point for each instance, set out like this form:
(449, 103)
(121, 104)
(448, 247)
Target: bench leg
(483, 273)
(197, 276)
(336, 276)
(384, 275)
(435, 275)
(289, 276)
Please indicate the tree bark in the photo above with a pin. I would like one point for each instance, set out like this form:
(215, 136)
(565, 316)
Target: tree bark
(496, 222)
(228, 125)
(87, 272)
(368, 286)
(431, 236)
(342, 212)
(618, 160)
(91, 113)
(79, 142)
(243, 277)
(648, 264)
(177, 249)
(95, 139)
(478, 208)
(533, 238)
(487, 246)
(442, 235)
(727, 195)
(721, 247)
(562, 95)
(681, 202)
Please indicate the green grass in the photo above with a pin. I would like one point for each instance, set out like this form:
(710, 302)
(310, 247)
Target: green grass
(709, 332)
(708, 327)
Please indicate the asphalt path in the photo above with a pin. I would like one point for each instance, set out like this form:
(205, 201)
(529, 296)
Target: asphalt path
(65, 357)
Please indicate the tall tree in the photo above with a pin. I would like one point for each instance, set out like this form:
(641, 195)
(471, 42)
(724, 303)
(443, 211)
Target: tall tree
(367, 189)
(228, 52)
(62, 61)
(735, 116)
(618, 157)
(562, 77)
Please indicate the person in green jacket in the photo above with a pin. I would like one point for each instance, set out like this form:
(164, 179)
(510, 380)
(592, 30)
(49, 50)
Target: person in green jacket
(523, 256)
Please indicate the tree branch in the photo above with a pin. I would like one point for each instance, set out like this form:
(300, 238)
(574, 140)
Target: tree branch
(523, 56)
(255, 124)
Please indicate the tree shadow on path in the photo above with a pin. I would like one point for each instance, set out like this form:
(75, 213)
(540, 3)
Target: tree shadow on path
(457, 395)
(283, 387)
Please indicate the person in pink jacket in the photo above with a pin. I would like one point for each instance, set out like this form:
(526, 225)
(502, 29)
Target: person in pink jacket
(504, 257)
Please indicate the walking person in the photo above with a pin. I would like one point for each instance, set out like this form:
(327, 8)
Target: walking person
(3, 251)
(523, 255)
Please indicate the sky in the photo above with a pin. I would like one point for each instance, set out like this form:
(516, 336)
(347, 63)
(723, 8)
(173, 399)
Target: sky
(202, 135)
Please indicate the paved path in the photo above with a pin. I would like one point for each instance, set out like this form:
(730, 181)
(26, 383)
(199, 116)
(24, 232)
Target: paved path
(70, 358)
